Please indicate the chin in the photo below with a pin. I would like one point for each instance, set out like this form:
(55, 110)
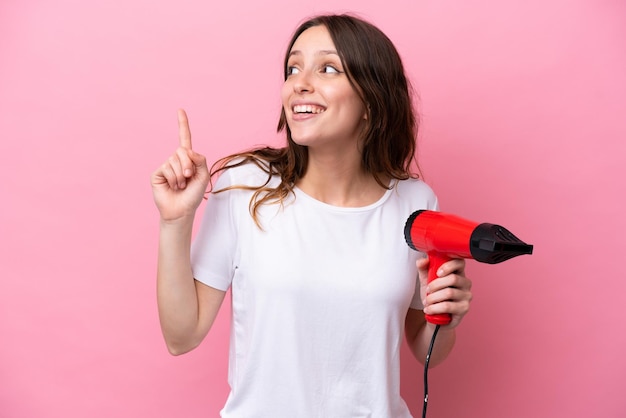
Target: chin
(302, 140)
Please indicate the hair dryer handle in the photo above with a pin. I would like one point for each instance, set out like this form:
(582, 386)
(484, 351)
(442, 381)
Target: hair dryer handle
(435, 261)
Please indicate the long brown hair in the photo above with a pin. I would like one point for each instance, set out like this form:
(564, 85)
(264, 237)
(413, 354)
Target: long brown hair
(375, 70)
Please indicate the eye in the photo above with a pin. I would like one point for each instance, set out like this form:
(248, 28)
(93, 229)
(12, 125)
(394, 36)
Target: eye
(330, 69)
(291, 70)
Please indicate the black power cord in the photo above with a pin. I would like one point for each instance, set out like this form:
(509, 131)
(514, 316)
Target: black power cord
(430, 351)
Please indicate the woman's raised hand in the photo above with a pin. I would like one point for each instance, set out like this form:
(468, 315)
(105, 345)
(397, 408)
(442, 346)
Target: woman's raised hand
(180, 183)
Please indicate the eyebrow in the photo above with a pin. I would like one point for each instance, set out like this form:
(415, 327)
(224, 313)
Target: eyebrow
(321, 52)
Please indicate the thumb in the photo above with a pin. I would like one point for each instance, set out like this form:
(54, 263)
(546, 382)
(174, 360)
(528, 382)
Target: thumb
(199, 164)
(198, 160)
(422, 269)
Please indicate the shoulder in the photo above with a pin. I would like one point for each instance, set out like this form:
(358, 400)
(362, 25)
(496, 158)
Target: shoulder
(414, 186)
(416, 192)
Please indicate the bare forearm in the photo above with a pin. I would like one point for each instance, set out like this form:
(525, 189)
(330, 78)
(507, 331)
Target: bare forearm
(176, 291)
(443, 343)
(419, 333)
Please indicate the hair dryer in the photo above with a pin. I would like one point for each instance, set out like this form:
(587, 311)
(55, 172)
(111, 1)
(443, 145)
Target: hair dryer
(444, 237)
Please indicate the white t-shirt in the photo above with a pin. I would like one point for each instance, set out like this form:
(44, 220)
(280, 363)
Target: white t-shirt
(319, 299)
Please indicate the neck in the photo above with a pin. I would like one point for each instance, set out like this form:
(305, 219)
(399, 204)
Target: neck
(340, 181)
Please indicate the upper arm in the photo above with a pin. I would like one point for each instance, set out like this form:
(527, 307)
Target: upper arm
(414, 321)
(209, 301)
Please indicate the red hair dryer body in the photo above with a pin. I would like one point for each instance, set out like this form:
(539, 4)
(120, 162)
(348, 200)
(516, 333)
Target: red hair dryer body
(444, 237)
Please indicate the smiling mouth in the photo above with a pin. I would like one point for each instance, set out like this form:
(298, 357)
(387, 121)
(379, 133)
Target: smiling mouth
(308, 109)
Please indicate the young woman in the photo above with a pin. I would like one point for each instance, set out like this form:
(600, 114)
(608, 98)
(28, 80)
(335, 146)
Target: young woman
(309, 239)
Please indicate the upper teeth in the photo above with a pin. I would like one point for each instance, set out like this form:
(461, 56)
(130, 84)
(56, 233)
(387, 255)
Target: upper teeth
(307, 109)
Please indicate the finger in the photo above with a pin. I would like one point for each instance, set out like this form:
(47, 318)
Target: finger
(158, 177)
(187, 165)
(447, 294)
(422, 263)
(456, 281)
(169, 175)
(198, 160)
(456, 265)
(438, 308)
(177, 168)
(457, 309)
(184, 133)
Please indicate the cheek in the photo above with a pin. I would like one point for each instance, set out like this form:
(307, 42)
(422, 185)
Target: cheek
(350, 101)
(356, 108)
(285, 93)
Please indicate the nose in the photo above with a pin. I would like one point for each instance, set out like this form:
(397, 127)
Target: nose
(302, 83)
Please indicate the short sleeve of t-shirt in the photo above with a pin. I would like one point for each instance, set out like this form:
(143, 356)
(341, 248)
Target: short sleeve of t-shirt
(213, 249)
(416, 301)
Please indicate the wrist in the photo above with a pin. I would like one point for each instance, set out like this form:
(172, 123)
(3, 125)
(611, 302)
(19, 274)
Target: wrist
(182, 221)
(443, 329)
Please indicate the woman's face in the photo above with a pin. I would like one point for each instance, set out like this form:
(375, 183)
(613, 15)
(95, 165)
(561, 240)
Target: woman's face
(321, 107)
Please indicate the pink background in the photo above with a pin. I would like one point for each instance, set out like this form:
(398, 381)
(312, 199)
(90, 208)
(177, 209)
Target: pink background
(523, 114)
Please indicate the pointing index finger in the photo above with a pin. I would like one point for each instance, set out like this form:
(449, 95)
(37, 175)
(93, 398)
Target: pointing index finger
(184, 134)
